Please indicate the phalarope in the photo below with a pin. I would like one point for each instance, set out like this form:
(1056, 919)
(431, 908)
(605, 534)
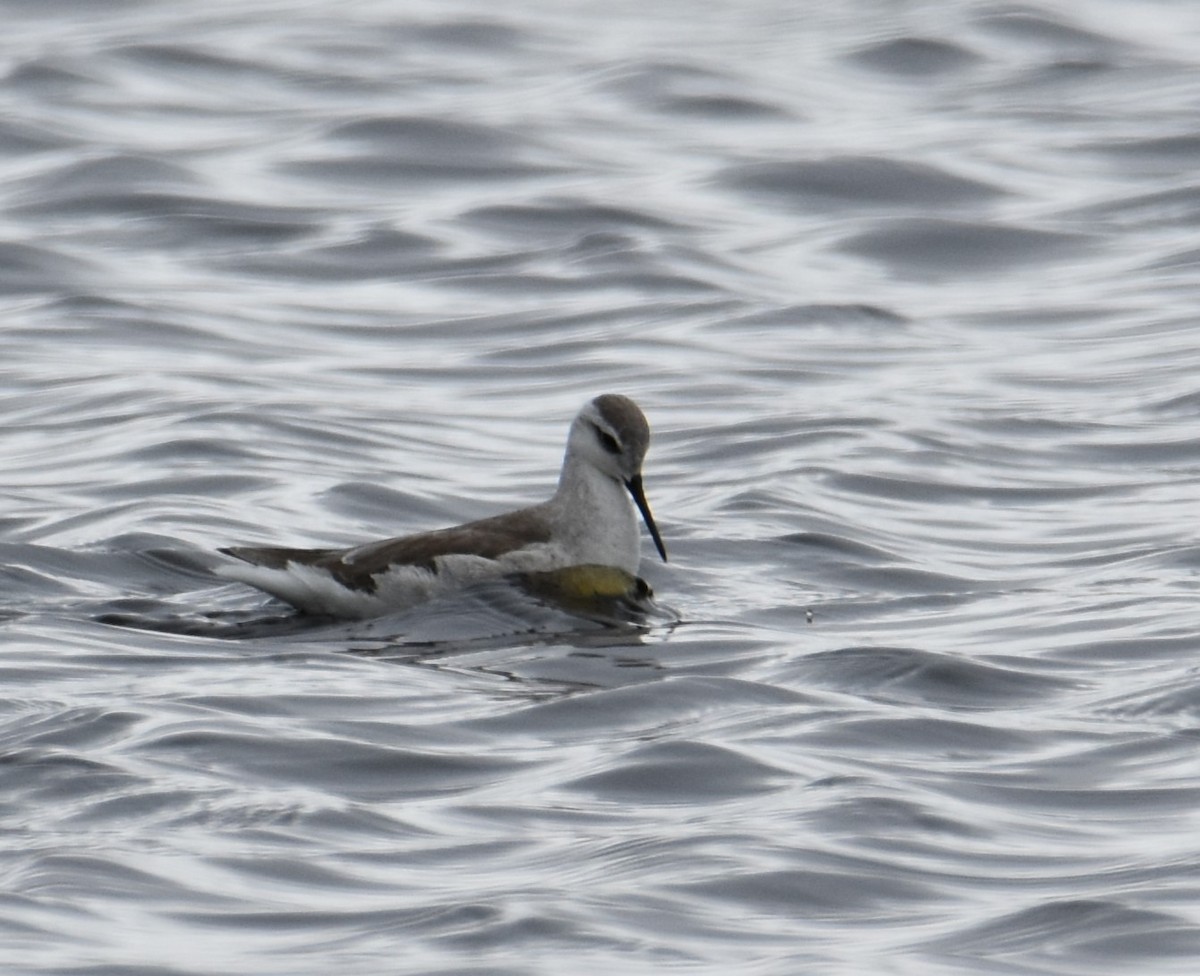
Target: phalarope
(589, 522)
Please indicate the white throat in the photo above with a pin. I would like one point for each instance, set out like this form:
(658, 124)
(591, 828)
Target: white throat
(596, 516)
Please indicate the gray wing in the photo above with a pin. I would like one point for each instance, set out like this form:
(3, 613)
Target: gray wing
(357, 567)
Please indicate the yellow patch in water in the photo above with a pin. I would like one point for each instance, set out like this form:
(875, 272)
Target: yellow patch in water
(587, 582)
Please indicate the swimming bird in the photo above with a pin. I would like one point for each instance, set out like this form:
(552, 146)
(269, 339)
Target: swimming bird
(590, 521)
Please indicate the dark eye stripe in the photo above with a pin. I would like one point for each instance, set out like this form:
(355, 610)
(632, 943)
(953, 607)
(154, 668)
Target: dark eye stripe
(607, 441)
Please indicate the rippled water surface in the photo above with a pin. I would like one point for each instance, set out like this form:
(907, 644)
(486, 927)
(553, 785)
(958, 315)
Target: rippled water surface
(909, 294)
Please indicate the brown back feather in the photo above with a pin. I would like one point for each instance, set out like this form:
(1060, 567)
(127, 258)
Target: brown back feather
(357, 567)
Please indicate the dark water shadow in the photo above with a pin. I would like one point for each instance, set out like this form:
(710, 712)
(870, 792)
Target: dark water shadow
(518, 611)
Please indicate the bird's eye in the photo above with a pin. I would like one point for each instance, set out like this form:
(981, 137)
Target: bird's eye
(608, 442)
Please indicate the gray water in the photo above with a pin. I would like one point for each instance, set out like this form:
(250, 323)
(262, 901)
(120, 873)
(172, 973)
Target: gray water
(908, 292)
